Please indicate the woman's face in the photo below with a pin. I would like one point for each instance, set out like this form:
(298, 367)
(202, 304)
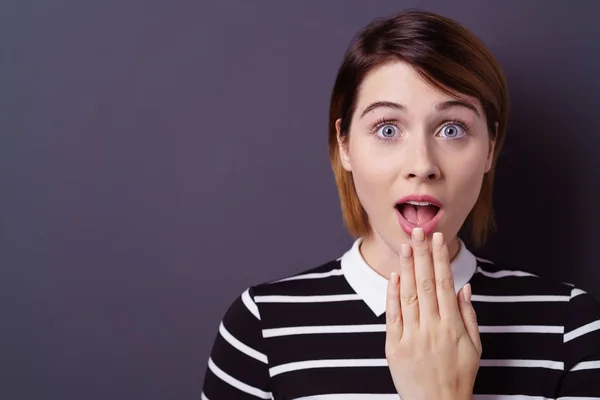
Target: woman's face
(409, 139)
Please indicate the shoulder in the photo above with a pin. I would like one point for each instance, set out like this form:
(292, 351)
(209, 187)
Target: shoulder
(326, 278)
(580, 308)
(308, 281)
(512, 280)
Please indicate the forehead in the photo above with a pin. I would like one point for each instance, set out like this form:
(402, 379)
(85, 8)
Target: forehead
(400, 83)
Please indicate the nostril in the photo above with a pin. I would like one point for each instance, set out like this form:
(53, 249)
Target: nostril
(432, 176)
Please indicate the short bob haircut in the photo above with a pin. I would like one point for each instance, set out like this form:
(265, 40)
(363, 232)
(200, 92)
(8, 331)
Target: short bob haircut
(449, 57)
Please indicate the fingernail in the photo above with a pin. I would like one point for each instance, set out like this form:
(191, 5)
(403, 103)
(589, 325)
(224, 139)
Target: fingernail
(467, 292)
(394, 278)
(418, 234)
(405, 250)
(438, 239)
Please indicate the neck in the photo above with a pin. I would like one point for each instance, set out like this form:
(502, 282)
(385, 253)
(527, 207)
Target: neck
(384, 259)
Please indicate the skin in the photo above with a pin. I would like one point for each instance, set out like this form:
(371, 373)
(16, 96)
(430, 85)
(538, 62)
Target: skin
(432, 341)
(420, 159)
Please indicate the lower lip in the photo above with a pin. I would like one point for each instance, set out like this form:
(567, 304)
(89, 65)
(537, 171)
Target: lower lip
(428, 227)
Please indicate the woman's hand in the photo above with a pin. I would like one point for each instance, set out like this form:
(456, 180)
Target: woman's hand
(432, 340)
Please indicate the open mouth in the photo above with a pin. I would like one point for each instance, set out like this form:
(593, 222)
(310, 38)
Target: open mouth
(418, 213)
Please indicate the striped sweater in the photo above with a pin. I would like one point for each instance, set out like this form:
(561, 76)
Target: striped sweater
(320, 335)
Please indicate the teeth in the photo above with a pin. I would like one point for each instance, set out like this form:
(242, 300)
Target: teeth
(419, 203)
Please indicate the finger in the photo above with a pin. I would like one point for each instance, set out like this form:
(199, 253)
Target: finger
(469, 317)
(444, 279)
(424, 275)
(393, 312)
(408, 290)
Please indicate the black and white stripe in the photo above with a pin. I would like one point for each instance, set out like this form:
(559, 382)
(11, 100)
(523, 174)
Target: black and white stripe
(312, 337)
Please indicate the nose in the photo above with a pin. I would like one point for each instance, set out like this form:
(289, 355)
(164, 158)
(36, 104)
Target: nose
(422, 164)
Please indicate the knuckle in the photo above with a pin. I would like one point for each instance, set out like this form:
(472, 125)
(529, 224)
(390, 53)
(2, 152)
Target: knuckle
(427, 284)
(393, 318)
(421, 251)
(470, 316)
(409, 300)
(453, 331)
(446, 284)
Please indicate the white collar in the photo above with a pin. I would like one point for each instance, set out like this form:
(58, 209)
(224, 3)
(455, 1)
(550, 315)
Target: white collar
(372, 287)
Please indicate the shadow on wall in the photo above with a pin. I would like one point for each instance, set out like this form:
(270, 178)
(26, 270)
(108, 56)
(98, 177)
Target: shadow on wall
(536, 172)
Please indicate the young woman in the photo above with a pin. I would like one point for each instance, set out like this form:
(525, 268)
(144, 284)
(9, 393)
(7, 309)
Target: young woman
(417, 119)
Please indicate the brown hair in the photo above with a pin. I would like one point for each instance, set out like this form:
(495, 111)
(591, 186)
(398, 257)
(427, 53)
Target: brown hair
(449, 57)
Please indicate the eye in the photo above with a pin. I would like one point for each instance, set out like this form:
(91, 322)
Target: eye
(453, 131)
(387, 131)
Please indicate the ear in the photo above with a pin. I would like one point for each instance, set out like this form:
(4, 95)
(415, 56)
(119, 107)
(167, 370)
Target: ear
(342, 146)
(490, 158)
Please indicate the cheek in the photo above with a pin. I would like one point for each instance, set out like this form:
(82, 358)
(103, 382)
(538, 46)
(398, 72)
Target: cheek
(469, 178)
(373, 178)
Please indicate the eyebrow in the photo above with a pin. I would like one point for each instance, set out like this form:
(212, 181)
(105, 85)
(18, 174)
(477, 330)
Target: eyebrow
(443, 106)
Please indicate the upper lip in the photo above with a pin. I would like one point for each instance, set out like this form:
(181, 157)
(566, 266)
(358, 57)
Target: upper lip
(422, 198)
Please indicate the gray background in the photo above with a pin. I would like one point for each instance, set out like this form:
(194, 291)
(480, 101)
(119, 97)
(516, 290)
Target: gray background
(158, 157)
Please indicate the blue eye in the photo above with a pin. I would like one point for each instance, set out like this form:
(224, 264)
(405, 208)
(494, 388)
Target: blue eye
(387, 131)
(453, 131)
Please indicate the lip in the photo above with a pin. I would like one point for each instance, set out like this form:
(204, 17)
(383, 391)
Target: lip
(429, 227)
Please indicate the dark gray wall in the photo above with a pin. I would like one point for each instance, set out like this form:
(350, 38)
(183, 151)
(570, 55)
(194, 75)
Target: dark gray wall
(157, 157)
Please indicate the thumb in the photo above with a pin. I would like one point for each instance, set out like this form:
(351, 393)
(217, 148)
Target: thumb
(469, 317)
